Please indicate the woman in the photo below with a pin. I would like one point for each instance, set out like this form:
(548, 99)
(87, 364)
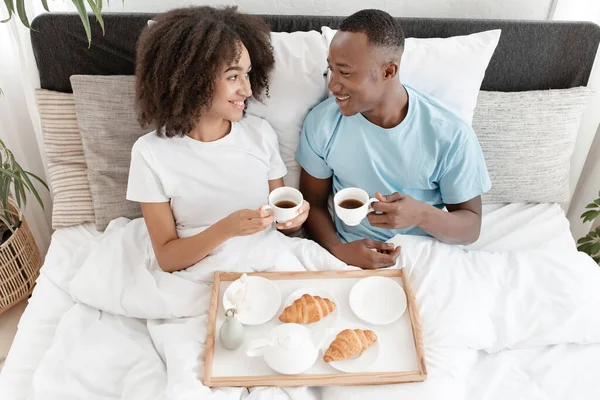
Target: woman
(203, 175)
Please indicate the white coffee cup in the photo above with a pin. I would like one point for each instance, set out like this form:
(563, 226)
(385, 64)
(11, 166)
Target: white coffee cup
(284, 203)
(352, 216)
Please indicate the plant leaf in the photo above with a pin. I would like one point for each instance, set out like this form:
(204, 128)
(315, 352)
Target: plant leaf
(4, 190)
(22, 13)
(40, 180)
(97, 8)
(30, 185)
(597, 201)
(19, 189)
(84, 19)
(24, 196)
(592, 205)
(6, 222)
(11, 10)
(597, 259)
(595, 249)
(8, 173)
(585, 239)
(45, 4)
(586, 248)
(590, 215)
(18, 196)
(10, 7)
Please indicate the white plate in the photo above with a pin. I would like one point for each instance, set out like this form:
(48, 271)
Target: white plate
(261, 301)
(356, 364)
(377, 300)
(324, 323)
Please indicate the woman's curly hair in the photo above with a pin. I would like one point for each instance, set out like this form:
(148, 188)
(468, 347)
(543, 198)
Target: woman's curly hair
(180, 56)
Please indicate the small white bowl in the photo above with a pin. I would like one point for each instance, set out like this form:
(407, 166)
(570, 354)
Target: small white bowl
(377, 300)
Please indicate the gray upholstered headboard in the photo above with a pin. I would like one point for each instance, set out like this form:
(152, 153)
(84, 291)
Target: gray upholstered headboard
(531, 55)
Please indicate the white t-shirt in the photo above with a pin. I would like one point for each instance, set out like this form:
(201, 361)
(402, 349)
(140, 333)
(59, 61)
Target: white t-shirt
(206, 181)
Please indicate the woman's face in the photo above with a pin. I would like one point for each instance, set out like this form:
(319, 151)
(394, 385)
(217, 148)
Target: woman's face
(232, 88)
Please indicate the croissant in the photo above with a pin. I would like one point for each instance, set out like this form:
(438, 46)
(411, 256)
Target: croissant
(307, 309)
(349, 343)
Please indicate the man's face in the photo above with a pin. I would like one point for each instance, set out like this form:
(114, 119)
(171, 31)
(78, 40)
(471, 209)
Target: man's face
(356, 73)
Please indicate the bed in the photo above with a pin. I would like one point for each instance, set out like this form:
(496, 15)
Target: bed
(513, 315)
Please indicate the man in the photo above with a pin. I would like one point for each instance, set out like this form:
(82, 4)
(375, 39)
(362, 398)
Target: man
(392, 141)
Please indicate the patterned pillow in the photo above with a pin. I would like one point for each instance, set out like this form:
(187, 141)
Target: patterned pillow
(106, 114)
(67, 169)
(528, 139)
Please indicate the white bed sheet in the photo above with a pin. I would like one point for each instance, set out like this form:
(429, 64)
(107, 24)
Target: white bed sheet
(46, 307)
(563, 371)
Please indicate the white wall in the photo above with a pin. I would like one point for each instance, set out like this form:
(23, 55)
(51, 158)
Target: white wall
(503, 9)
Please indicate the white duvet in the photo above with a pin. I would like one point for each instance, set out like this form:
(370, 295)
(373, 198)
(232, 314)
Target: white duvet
(135, 332)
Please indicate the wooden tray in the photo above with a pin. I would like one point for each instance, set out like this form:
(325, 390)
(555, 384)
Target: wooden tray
(223, 367)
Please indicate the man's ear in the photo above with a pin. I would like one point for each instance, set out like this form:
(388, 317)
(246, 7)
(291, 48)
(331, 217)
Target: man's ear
(391, 70)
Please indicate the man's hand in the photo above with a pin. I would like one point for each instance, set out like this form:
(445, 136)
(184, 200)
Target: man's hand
(367, 253)
(396, 211)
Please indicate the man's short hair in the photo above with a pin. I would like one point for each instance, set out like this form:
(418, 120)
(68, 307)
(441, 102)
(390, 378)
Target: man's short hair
(381, 28)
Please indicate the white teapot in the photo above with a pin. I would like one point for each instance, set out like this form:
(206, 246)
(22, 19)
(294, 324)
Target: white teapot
(289, 348)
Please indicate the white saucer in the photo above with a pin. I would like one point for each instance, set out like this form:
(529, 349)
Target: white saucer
(357, 364)
(261, 302)
(377, 300)
(324, 323)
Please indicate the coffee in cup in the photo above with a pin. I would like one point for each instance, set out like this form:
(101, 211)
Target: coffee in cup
(284, 203)
(352, 205)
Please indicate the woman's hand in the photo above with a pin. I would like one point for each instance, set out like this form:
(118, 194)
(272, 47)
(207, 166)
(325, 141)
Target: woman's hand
(246, 222)
(295, 224)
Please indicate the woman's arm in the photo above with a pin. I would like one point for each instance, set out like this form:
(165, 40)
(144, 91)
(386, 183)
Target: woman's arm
(294, 224)
(174, 254)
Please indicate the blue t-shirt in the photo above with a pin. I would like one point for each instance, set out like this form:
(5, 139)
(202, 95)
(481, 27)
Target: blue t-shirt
(432, 155)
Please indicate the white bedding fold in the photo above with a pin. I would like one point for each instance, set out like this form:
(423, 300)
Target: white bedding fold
(502, 300)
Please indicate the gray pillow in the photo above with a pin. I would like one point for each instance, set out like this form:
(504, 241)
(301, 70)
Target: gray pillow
(527, 139)
(106, 115)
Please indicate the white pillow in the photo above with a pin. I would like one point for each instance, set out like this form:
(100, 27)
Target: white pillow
(296, 85)
(449, 69)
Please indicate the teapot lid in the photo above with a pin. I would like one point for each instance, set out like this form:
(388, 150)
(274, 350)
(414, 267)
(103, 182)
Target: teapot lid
(292, 348)
(291, 339)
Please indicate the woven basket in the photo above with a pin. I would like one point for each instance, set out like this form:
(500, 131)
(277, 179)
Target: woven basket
(20, 264)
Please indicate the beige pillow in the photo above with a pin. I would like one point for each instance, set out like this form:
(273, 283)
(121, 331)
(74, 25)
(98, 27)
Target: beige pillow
(107, 119)
(67, 170)
(527, 139)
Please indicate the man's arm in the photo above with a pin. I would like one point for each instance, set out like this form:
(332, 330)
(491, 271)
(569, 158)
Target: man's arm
(460, 225)
(320, 228)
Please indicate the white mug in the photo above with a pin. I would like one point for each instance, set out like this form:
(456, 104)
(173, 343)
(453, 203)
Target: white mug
(352, 197)
(284, 203)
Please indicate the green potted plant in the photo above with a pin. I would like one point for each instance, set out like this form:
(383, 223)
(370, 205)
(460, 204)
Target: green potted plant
(18, 7)
(20, 259)
(590, 243)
